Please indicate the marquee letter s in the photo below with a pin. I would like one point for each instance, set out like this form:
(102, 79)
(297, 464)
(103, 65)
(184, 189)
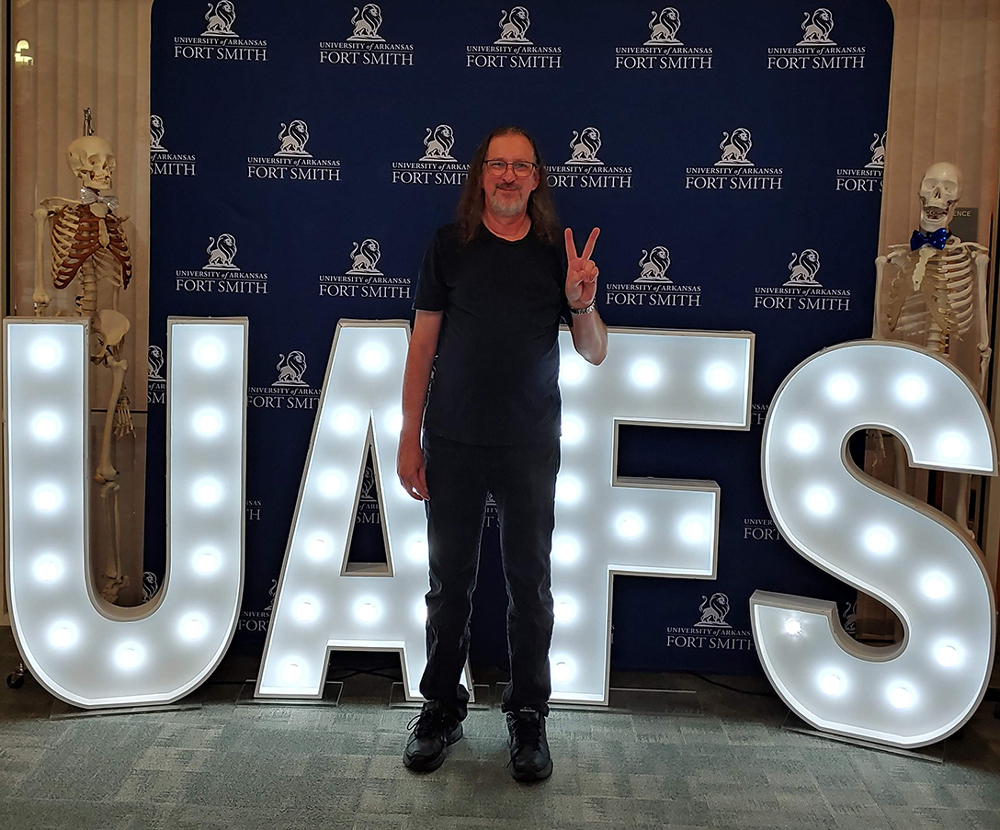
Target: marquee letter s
(881, 541)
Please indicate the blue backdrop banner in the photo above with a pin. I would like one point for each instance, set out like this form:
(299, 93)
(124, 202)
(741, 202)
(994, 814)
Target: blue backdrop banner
(732, 154)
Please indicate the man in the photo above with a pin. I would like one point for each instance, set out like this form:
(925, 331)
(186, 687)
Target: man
(491, 291)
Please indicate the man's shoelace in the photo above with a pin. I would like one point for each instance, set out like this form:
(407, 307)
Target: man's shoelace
(527, 731)
(427, 723)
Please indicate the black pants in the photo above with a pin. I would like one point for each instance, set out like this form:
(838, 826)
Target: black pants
(522, 480)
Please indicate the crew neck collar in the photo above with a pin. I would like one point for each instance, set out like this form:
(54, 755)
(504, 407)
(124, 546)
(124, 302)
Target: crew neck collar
(484, 229)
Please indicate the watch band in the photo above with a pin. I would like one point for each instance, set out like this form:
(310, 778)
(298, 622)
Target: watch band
(587, 309)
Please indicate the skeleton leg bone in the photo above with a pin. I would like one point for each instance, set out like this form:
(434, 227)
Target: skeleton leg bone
(105, 469)
(115, 579)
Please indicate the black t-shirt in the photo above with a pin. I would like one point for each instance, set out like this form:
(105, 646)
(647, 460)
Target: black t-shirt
(495, 378)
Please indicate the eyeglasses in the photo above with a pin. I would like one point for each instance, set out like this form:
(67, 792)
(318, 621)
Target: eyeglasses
(498, 167)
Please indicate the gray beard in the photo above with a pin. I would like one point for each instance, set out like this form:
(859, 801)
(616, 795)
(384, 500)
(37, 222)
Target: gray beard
(507, 209)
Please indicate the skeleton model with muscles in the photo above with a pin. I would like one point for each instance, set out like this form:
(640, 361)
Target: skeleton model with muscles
(89, 247)
(937, 296)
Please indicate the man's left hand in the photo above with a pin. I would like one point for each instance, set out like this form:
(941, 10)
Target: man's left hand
(581, 273)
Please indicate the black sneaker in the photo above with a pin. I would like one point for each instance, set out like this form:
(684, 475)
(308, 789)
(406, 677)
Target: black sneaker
(529, 748)
(434, 730)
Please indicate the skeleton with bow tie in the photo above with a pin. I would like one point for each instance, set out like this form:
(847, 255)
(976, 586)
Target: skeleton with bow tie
(90, 250)
(937, 294)
(936, 298)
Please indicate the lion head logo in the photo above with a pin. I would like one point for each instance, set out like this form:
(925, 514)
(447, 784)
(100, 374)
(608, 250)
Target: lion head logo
(713, 611)
(514, 26)
(156, 134)
(735, 148)
(653, 266)
(878, 151)
(270, 594)
(438, 143)
(221, 253)
(585, 146)
(150, 585)
(368, 485)
(291, 369)
(294, 138)
(817, 27)
(663, 28)
(804, 267)
(850, 617)
(220, 19)
(365, 257)
(366, 23)
(155, 360)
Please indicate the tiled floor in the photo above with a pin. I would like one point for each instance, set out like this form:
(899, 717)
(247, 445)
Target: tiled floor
(285, 768)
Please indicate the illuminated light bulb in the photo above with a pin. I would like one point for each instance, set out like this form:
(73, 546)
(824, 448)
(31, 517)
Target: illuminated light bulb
(693, 530)
(561, 672)
(292, 672)
(911, 389)
(366, 612)
(48, 569)
(207, 423)
(46, 499)
(566, 550)
(819, 501)
(61, 637)
(45, 354)
(193, 628)
(46, 427)
(344, 420)
(331, 484)
(565, 610)
(803, 439)
(793, 628)
(417, 550)
(901, 697)
(831, 684)
(572, 430)
(318, 548)
(374, 358)
(952, 446)
(208, 353)
(207, 493)
(630, 526)
(127, 658)
(568, 490)
(936, 587)
(947, 656)
(571, 370)
(305, 611)
(842, 388)
(206, 561)
(879, 541)
(719, 377)
(645, 373)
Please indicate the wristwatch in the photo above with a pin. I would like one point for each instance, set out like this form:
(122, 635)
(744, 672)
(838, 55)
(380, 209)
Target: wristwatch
(587, 309)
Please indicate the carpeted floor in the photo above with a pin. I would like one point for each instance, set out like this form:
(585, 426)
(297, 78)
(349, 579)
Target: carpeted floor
(286, 768)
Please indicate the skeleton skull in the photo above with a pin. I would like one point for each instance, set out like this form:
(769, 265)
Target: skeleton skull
(92, 162)
(940, 191)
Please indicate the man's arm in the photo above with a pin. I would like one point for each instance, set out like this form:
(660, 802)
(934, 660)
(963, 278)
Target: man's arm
(590, 337)
(416, 375)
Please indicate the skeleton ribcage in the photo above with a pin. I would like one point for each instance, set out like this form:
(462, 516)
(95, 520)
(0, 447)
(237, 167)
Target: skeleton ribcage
(943, 307)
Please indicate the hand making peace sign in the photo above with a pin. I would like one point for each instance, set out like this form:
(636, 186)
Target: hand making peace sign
(581, 273)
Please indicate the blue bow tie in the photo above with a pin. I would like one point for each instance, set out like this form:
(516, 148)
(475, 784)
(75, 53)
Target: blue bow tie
(937, 239)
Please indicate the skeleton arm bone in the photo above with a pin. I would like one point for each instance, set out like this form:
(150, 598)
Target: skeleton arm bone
(981, 261)
(895, 253)
(40, 296)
